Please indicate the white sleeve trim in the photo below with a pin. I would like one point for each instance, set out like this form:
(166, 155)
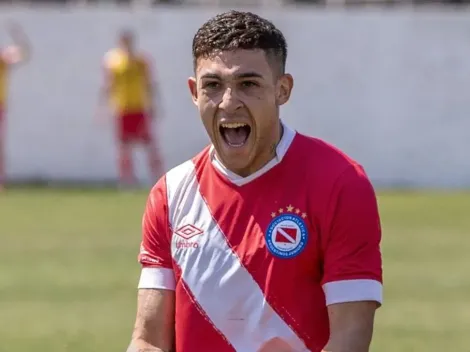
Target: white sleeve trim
(159, 278)
(352, 291)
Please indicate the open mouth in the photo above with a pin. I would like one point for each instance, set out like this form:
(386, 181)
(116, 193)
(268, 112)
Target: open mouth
(235, 134)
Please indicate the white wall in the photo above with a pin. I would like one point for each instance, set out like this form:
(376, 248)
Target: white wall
(390, 88)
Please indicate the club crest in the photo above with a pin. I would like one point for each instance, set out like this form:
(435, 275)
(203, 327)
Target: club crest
(287, 235)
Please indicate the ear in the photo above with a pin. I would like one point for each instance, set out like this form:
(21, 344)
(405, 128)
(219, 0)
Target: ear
(192, 84)
(285, 85)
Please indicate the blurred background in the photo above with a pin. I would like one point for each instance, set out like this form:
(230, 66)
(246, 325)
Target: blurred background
(386, 81)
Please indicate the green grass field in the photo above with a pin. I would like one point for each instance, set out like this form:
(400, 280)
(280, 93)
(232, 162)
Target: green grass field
(68, 271)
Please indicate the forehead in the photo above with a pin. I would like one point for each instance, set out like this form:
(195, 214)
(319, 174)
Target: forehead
(229, 63)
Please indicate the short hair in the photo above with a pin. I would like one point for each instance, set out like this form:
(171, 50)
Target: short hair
(234, 30)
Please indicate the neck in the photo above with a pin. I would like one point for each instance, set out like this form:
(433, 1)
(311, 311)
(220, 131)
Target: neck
(279, 134)
(127, 51)
(265, 157)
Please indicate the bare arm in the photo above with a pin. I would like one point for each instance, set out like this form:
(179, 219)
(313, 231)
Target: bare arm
(105, 89)
(20, 50)
(351, 326)
(155, 321)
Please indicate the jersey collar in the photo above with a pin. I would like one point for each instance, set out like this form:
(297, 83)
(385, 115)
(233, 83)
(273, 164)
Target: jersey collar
(281, 150)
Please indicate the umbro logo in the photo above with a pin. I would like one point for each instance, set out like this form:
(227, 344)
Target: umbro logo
(188, 232)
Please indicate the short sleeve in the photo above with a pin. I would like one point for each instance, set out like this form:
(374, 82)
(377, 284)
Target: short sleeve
(155, 248)
(352, 263)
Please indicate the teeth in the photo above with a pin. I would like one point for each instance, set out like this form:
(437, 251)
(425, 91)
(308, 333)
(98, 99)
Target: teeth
(233, 125)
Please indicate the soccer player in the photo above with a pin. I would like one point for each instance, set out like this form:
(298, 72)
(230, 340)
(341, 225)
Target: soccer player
(267, 240)
(10, 56)
(130, 89)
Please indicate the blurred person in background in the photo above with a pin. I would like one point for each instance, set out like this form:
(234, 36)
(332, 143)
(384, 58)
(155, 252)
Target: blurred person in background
(130, 91)
(10, 56)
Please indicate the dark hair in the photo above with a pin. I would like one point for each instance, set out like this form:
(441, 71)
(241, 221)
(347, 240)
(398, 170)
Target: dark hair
(240, 30)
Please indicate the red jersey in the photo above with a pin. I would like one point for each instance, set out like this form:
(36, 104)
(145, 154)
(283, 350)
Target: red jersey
(257, 258)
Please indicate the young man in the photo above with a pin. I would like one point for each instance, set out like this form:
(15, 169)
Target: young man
(130, 88)
(268, 240)
(10, 56)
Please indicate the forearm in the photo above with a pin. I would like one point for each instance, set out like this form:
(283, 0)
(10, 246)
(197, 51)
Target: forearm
(21, 41)
(104, 95)
(357, 340)
(344, 348)
(142, 346)
(154, 327)
(351, 326)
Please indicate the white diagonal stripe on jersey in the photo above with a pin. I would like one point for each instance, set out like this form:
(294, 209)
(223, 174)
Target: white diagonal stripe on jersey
(220, 284)
(286, 235)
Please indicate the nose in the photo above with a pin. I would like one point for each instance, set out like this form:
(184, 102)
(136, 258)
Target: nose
(230, 102)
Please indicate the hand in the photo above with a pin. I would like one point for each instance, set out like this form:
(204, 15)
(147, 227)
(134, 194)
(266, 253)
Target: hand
(276, 345)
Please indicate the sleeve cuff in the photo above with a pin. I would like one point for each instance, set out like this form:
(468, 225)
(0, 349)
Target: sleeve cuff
(157, 278)
(352, 291)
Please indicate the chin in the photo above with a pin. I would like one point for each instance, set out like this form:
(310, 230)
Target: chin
(237, 160)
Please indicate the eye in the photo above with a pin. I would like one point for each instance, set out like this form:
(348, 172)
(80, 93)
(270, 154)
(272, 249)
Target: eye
(249, 84)
(211, 85)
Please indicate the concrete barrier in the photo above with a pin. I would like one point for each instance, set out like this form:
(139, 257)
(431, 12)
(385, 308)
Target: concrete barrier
(390, 88)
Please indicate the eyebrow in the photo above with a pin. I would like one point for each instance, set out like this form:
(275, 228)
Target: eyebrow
(237, 76)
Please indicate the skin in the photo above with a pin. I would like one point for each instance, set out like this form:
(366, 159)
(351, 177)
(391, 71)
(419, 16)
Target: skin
(126, 43)
(245, 86)
(351, 326)
(12, 56)
(241, 86)
(155, 321)
(18, 52)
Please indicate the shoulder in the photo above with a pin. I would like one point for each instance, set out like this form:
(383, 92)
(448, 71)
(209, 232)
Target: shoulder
(326, 170)
(324, 156)
(112, 58)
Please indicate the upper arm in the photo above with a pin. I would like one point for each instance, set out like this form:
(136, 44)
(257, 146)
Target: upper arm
(351, 326)
(154, 326)
(352, 262)
(156, 300)
(155, 250)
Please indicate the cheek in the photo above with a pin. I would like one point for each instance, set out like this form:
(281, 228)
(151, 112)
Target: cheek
(263, 110)
(207, 113)
(264, 98)
(206, 102)
(265, 116)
